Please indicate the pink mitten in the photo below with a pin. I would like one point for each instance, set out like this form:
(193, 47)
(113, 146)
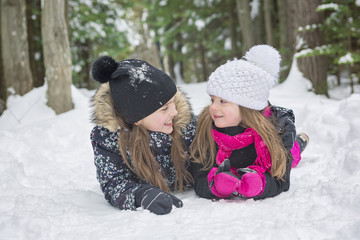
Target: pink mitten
(222, 184)
(252, 183)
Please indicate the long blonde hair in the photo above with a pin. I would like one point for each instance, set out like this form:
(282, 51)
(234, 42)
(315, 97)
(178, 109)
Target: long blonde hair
(203, 148)
(143, 162)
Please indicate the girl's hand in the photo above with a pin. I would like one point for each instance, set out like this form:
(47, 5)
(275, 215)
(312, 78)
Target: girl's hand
(158, 202)
(251, 182)
(223, 182)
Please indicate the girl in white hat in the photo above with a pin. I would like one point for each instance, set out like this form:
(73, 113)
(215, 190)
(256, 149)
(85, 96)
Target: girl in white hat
(244, 145)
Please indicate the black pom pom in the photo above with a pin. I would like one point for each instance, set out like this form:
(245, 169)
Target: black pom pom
(102, 69)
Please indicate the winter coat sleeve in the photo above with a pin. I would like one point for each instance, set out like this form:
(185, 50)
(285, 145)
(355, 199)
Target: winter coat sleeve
(200, 177)
(201, 185)
(189, 132)
(188, 135)
(118, 183)
(274, 186)
(285, 124)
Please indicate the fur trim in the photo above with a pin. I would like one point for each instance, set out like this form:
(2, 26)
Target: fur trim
(183, 118)
(104, 114)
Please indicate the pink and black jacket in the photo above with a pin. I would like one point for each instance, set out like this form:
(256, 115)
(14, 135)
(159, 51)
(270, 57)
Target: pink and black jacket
(244, 157)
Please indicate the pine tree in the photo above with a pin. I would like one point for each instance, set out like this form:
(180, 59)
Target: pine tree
(97, 28)
(342, 35)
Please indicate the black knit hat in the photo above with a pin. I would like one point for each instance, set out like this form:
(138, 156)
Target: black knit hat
(137, 88)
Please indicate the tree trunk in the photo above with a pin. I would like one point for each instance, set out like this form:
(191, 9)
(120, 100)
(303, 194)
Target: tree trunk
(67, 19)
(3, 86)
(258, 27)
(243, 10)
(314, 68)
(203, 63)
(84, 79)
(285, 44)
(292, 24)
(171, 62)
(179, 62)
(15, 50)
(33, 17)
(57, 56)
(268, 24)
(91, 84)
(233, 35)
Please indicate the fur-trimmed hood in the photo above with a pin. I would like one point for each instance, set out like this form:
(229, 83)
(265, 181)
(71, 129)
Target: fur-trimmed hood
(104, 114)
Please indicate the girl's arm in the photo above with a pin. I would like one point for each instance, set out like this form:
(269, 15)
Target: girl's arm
(274, 186)
(118, 183)
(188, 133)
(201, 185)
(285, 124)
(200, 177)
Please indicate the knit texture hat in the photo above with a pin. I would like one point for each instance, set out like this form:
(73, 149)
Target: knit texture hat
(247, 81)
(137, 88)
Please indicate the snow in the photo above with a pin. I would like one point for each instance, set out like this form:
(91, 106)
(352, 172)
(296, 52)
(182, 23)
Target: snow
(308, 51)
(347, 59)
(139, 75)
(48, 188)
(331, 6)
(200, 24)
(255, 9)
(227, 44)
(96, 29)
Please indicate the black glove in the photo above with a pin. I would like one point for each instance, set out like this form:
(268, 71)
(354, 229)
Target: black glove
(157, 201)
(286, 130)
(224, 166)
(285, 126)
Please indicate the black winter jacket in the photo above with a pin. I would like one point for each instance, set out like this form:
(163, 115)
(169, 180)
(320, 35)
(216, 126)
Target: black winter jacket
(284, 122)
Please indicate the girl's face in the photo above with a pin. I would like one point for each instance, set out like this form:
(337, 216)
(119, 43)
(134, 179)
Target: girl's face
(161, 120)
(224, 113)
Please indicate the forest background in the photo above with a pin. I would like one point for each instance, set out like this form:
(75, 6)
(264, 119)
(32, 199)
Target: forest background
(54, 42)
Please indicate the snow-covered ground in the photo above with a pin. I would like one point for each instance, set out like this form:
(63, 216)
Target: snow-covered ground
(48, 188)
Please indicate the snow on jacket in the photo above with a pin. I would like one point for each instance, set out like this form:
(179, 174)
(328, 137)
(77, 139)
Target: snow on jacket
(116, 179)
(246, 156)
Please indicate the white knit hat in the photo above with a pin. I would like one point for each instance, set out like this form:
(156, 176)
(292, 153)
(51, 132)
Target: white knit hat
(247, 82)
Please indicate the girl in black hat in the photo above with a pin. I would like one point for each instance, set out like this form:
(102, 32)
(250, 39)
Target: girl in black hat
(144, 127)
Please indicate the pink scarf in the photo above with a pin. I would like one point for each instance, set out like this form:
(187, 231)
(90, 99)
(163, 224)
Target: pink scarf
(228, 143)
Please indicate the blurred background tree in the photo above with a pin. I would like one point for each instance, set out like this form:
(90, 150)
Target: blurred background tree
(57, 55)
(15, 48)
(342, 38)
(189, 38)
(97, 27)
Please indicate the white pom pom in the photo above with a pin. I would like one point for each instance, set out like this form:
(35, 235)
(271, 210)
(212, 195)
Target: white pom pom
(266, 57)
